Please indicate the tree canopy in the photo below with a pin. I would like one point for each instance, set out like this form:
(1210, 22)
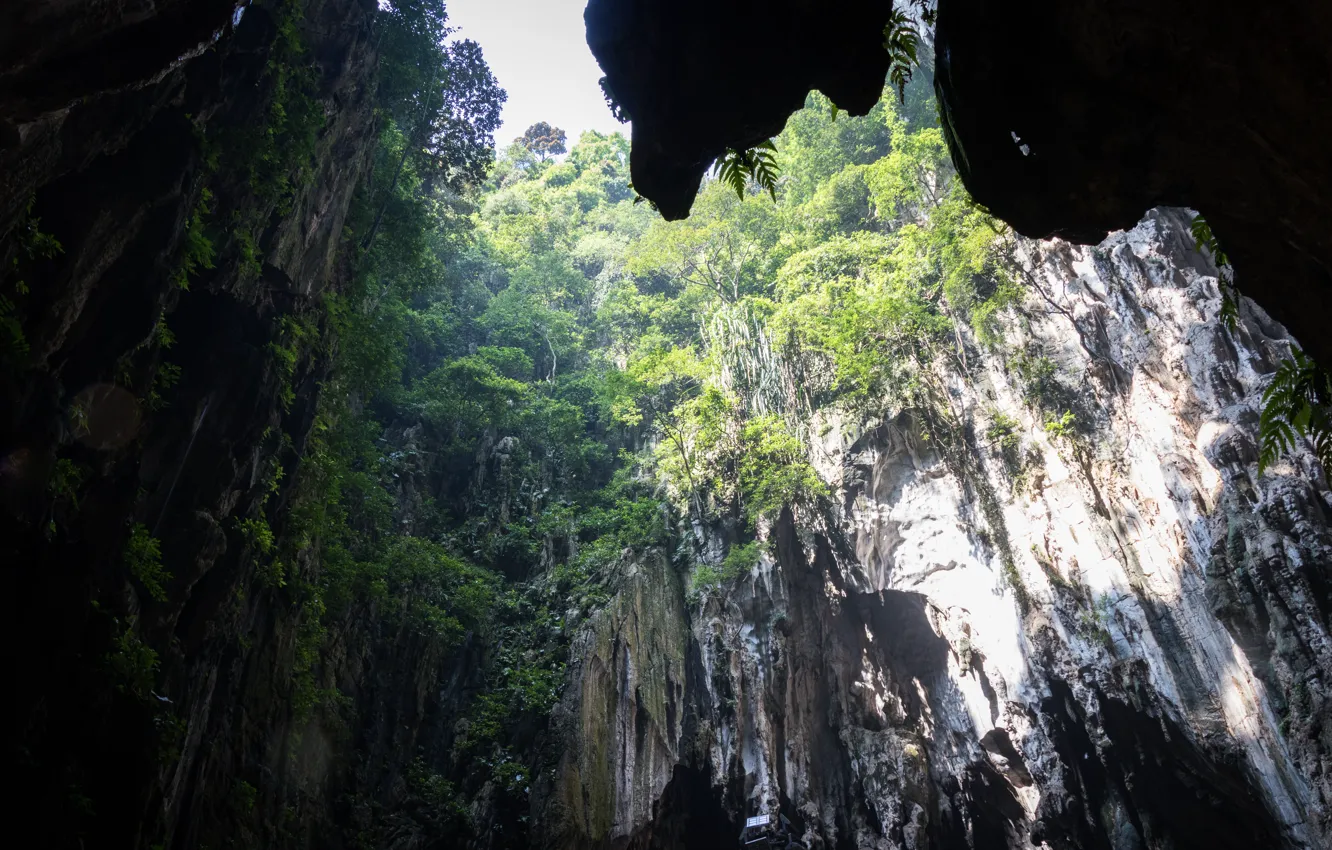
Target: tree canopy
(544, 140)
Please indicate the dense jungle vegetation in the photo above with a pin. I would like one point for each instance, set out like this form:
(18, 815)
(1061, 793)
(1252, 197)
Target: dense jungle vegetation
(536, 377)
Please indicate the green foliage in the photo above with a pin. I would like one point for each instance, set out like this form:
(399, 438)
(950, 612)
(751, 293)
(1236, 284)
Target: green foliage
(1003, 434)
(525, 680)
(1296, 402)
(445, 596)
(440, 91)
(66, 480)
(1013, 579)
(280, 149)
(439, 795)
(143, 557)
(132, 663)
(31, 246)
(901, 41)
(165, 376)
(544, 140)
(1045, 391)
(759, 164)
(257, 534)
(1205, 240)
(708, 580)
(293, 338)
(243, 797)
(1061, 427)
(197, 251)
(773, 469)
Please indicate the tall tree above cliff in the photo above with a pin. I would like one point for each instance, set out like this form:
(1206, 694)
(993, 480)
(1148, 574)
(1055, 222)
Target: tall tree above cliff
(441, 99)
(544, 140)
(441, 95)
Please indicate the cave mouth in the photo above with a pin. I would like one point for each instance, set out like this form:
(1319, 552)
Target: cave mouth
(1152, 780)
(434, 497)
(689, 815)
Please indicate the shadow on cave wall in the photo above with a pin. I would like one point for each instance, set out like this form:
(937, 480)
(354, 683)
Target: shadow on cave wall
(688, 815)
(1126, 776)
(1149, 784)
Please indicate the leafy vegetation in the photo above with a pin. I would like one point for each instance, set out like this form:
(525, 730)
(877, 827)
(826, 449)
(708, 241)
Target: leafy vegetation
(902, 42)
(132, 663)
(711, 580)
(198, 252)
(759, 164)
(31, 245)
(1205, 240)
(1296, 402)
(143, 557)
(544, 140)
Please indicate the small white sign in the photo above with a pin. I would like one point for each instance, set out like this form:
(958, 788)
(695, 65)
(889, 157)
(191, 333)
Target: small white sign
(757, 820)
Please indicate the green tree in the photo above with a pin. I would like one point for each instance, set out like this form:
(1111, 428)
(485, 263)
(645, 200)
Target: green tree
(544, 140)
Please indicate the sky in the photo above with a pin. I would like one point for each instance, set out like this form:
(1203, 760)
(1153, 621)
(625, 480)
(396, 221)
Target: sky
(538, 51)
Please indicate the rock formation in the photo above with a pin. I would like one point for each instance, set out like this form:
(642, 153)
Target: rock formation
(105, 109)
(1113, 639)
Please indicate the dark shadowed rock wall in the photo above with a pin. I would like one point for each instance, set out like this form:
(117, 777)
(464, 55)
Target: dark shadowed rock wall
(118, 126)
(1121, 646)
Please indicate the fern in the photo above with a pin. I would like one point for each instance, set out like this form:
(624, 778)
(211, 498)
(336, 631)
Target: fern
(759, 163)
(1205, 240)
(901, 41)
(1296, 403)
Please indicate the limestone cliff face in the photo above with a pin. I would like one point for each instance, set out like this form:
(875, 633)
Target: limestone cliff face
(1110, 634)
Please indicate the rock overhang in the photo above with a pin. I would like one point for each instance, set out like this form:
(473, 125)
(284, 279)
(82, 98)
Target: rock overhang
(1066, 119)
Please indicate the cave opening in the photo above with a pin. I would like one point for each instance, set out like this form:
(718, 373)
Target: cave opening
(689, 815)
(568, 423)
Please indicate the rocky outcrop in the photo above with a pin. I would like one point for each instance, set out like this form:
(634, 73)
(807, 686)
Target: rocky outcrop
(1106, 633)
(80, 79)
(622, 732)
(694, 90)
(1066, 119)
(1072, 118)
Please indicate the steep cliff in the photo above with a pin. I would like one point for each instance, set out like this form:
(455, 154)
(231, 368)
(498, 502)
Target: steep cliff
(1104, 630)
(195, 166)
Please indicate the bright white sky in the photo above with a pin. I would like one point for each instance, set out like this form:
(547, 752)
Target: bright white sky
(538, 51)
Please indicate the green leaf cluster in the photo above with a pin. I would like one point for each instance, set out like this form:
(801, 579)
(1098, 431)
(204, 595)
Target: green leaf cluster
(1296, 404)
(737, 168)
(1205, 240)
(902, 41)
(143, 557)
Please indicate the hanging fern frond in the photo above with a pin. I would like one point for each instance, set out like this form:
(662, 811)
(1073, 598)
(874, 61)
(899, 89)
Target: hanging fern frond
(901, 41)
(759, 163)
(1205, 240)
(1296, 404)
